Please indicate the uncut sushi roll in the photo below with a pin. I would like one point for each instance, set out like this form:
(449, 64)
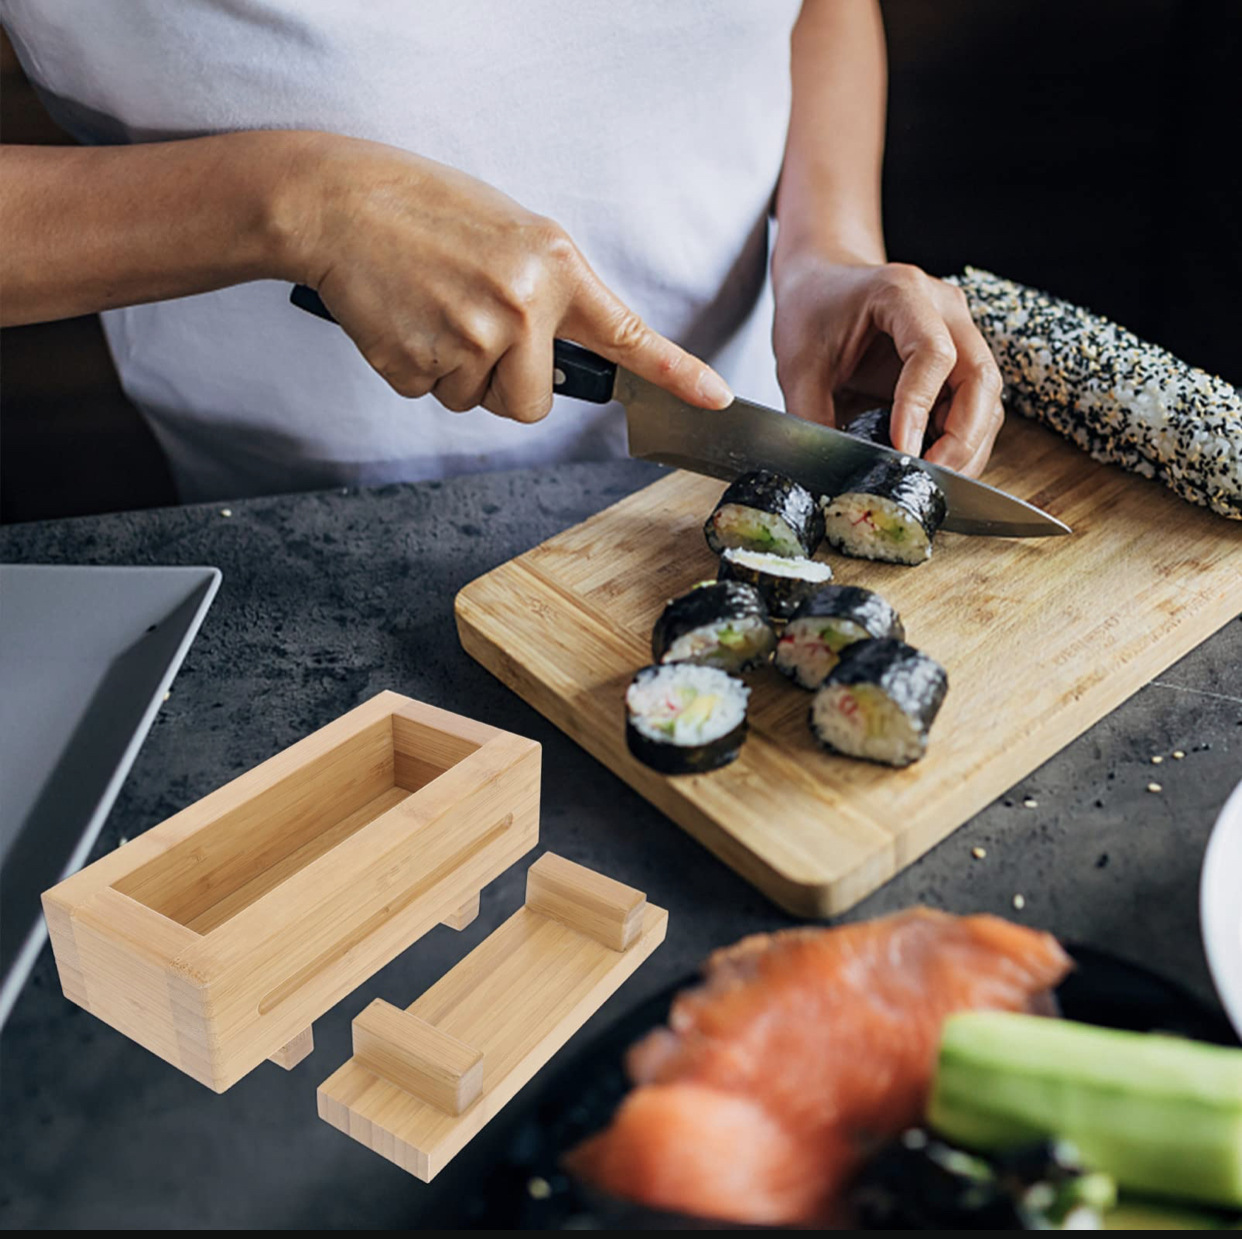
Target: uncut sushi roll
(821, 628)
(785, 583)
(879, 702)
(1123, 401)
(724, 624)
(685, 719)
(764, 511)
(889, 511)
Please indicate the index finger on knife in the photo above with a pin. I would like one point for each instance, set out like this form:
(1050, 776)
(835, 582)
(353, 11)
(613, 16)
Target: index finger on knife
(599, 320)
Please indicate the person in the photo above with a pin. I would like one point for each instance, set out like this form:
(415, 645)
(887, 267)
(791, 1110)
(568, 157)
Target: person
(463, 183)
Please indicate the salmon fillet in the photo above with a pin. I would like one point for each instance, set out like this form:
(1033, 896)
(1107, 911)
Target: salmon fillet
(799, 1055)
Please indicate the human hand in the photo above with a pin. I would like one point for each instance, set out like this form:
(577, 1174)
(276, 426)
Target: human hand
(888, 332)
(449, 287)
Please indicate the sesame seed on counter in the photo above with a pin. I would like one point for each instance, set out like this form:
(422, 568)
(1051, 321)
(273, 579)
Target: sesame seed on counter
(1118, 398)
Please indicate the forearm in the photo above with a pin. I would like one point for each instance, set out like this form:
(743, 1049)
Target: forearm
(87, 229)
(828, 201)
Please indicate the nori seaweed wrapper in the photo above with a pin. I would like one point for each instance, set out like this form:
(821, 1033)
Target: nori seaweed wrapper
(779, 495)
(707, 604)
(851, 602)
(668, 758)
(906, 485)
(912, 681)
(874, 425)
(783, 594)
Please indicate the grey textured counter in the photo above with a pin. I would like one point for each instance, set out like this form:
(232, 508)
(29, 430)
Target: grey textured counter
(327, 599)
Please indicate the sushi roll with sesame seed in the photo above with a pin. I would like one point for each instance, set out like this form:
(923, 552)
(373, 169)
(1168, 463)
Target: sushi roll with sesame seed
(1121, 400)
(879, 702)
(785, 583)
(685, 719)
(822, 627)
(721, 624)
(764, 511)
(890, 511)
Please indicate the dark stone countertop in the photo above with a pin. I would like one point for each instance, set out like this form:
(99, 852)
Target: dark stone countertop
(328, 598)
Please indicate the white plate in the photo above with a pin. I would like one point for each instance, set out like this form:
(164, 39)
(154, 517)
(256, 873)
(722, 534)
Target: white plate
(1220, 906)
(86, 656)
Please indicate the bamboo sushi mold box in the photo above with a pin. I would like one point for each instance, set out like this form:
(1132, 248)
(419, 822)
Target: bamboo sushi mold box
(216, 938)
(423, 1081)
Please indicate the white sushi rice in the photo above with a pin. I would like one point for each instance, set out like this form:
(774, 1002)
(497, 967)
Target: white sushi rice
(737, 525)
(859, 720)
(662, 705)
(873, 527)
(1118, 398)
(806, 653)
(730, 644)
(770, 564)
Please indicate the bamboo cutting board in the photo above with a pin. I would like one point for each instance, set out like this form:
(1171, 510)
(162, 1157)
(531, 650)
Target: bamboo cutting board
(1040, 637)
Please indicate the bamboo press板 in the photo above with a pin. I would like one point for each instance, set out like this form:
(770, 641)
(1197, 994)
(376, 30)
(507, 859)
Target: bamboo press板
(424, 1081)
(216, 938)
(1040, 638)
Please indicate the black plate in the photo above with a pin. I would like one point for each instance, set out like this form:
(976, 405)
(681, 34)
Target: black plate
(583, 1093)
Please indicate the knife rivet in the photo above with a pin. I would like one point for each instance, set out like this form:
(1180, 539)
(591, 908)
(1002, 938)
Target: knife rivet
(558, 377)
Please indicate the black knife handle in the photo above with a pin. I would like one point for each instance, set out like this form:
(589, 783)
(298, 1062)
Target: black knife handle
(577, 372)
(581, 374)
(306, 298)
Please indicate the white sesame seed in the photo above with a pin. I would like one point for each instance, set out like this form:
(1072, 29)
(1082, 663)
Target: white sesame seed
(1019, 902)
(978, 853)
(168, 694)
(226, 511)
(1178, 754)
(1030, 803)
(1155, 761)
(1154, 787)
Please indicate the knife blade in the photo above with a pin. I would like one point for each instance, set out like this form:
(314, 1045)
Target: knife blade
(727, 442)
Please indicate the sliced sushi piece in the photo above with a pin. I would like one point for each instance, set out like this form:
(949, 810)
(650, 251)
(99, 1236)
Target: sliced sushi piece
(784, 582)
(800, 1054)
(837, 616)
(890, 511)
(723, 624)
(764, 511)
(874, 425)
(1122, 400)
(685, 719)
(879, 702)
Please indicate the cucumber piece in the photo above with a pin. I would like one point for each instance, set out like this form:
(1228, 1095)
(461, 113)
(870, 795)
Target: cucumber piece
(1162, 1115)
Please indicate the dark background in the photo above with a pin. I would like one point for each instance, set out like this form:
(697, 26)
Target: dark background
(1089, 147)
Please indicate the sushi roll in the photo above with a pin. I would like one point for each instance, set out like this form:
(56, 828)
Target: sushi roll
(879, 702)
(890, 511)
(784, 583)
(1118, 398)
(764, 511)
(722, 624)
(683, 719)
(874, 425)
(824, 625)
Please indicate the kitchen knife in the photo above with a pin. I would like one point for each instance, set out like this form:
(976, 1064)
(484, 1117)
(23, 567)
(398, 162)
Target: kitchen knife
(726, 442)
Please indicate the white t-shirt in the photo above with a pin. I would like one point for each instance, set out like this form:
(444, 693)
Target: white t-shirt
(652, 130)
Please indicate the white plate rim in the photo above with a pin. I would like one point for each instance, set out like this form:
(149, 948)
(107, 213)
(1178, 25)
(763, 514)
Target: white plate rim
(1220, 906)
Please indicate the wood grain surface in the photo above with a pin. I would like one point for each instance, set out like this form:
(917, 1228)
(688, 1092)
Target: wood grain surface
(503, 1011)
(1040, 637)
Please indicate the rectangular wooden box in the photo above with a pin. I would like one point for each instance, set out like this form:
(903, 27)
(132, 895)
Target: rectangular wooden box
(218, 936)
